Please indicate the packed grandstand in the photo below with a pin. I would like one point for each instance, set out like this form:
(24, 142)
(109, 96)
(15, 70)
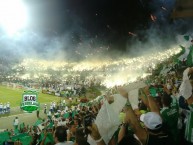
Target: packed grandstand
(151, 109)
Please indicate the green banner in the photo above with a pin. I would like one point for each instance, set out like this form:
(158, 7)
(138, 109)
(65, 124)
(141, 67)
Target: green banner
(29, 101)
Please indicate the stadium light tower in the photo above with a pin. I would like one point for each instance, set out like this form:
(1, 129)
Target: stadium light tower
(13, 15)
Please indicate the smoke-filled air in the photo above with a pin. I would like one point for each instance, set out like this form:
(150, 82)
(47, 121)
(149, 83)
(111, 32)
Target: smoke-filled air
(28, 50)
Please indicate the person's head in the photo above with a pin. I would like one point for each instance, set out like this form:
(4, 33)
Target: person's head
(152, 121)
(81, 137)
(166, 100)
(77, 122)
(60, 134)
(76, 116)
(35, 129)
(158, 102)
(72, 127)
(142, 106)
(129, 140)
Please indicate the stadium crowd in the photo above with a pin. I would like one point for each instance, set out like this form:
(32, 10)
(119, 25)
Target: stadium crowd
(163, 116)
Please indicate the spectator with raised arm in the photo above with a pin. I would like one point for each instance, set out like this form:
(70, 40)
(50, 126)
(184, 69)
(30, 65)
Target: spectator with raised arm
(153, 132)
(170, 115)
(96, 135)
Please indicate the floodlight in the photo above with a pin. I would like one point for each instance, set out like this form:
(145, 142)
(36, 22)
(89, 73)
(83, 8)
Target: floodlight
(13, 15)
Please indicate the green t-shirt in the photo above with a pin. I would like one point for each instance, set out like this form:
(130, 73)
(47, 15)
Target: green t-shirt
(170, 120)
(189, 125)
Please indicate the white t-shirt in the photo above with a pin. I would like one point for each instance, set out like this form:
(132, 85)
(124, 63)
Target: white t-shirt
(8, 105)
(16, 122)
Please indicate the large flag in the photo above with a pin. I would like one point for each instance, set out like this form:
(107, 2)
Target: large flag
(190, 57)
(187, 52)
(184, 54)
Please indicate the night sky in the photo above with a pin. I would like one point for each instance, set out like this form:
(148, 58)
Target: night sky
(78, 28)
(107, 21)
(96, 16)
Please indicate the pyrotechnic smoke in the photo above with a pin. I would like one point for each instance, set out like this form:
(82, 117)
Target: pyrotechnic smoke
(162, 32)
(84, 52)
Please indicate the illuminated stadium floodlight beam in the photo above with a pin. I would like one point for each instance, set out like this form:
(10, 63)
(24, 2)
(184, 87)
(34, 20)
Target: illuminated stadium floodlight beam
(13, 15)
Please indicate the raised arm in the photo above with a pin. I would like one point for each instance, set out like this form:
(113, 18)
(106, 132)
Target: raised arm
(152, 104)
(132, 119)
(122, 131)
(143, 97)
(96, 135)
(45, 135)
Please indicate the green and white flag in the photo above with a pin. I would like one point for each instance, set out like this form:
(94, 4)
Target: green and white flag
(190, 57)
(184, 54)
(187, 52)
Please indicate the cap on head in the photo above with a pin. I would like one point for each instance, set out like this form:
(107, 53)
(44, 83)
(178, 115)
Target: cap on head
(151, 120)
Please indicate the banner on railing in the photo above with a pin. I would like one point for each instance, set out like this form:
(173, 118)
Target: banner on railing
(29, 101)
